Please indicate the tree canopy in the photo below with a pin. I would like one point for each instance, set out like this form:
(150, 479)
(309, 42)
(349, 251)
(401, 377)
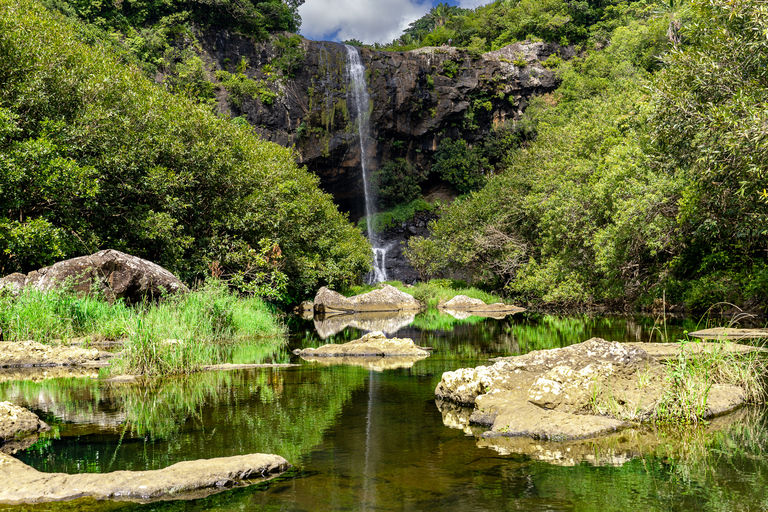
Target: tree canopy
(94, 155)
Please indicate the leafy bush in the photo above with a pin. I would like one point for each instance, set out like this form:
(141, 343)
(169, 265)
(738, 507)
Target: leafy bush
(460, 165)
(397, 182)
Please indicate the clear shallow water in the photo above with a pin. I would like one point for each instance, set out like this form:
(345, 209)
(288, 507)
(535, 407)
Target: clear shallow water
(363, 440)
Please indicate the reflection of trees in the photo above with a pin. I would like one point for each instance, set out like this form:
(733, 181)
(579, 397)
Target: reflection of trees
(153, 424)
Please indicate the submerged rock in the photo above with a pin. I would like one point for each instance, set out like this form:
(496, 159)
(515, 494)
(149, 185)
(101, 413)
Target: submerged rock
(373, 344)
(117, 275)
(584, 390)
(183, 480)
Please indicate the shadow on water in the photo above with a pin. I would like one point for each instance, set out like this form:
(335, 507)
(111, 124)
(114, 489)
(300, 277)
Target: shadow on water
(375, 440)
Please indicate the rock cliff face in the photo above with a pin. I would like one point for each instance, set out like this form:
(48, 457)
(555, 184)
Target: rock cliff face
(417, 98)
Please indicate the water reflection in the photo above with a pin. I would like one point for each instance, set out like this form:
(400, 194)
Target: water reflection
(376, 440)
(386, 322)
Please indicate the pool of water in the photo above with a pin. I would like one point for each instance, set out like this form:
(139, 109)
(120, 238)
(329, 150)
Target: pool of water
(375, 440)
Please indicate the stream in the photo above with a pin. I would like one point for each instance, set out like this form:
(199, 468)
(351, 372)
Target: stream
(363, 439)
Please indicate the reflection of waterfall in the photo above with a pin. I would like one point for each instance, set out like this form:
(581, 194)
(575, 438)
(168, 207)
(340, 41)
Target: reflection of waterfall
(359, 91)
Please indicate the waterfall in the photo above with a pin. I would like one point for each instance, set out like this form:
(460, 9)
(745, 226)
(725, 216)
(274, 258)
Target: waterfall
(358, 89)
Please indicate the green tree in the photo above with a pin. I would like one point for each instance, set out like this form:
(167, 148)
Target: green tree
(94, 155)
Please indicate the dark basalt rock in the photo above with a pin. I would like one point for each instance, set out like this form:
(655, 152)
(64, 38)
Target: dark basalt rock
(417, 99)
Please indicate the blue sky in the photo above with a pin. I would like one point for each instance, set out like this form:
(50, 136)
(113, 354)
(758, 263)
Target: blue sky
(367, 20)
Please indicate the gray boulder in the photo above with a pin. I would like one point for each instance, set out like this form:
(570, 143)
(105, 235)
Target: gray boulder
(384, 299)
(115, 274)
(331, 302)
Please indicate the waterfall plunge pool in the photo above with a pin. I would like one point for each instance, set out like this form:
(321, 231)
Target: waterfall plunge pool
(375, 440)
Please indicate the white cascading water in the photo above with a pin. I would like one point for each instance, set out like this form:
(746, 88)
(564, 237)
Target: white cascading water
(358, 89)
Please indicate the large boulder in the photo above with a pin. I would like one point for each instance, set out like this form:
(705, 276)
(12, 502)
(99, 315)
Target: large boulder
(584, 390)
(384, 299)
(330, 302)
(115, 274)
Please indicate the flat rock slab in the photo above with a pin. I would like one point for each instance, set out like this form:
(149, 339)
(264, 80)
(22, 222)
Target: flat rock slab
(373, 344)
(183, 480)
(463, 304)
(666, 351)
(32, 353)
(727, 333)
(584, 390)
(376, 364)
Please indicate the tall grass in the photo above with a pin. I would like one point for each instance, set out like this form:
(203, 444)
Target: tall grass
(692, 374)
(60, 315)
(177, 335)
(185, 332)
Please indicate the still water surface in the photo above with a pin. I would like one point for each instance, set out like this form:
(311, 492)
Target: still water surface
(375, 440)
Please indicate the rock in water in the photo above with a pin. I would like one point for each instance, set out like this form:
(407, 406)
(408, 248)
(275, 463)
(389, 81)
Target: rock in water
(387, 298)
(556, 394)
(116, 274)
(17, 422)
(373, 344)
(183, 480)
(330, 302)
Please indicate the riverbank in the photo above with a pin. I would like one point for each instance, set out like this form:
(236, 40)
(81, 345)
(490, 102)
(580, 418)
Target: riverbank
(180, 334)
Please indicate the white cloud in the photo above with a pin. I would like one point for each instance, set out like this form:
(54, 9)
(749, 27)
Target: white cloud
(367, 20)
(471, 4)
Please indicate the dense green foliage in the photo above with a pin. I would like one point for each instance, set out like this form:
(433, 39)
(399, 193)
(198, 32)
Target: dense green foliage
(403, 212)
(255, 17)
(93, 155)
(501, 22)
(397, 182)
(637, 181)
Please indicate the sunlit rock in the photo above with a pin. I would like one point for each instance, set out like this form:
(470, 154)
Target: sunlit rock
(374, 344)
(32, 353)
(17, 422)
(183, 480)
(585, 390)
(116, 274)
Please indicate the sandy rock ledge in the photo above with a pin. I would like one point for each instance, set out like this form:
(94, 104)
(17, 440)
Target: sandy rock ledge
(183, 480)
